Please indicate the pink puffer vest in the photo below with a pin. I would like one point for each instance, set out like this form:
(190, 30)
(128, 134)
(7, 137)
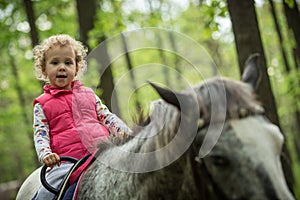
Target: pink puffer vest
(73, 122)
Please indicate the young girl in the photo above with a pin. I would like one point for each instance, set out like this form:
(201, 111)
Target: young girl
(69, 119)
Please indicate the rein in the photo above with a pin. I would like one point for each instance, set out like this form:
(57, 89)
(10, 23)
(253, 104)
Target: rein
(208, 177)
(67, 181)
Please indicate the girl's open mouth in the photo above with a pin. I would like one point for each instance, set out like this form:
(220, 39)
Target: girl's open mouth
(61, 76)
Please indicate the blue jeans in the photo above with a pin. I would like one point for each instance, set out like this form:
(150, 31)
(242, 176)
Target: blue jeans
(54, 177)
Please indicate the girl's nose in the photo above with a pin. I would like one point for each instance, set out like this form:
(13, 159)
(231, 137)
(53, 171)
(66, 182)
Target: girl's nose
(61, 67)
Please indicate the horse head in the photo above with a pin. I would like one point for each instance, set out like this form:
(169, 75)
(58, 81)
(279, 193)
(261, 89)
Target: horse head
(238, 147)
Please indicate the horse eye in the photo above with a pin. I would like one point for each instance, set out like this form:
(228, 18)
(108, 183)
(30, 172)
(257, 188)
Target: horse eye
(220, 161)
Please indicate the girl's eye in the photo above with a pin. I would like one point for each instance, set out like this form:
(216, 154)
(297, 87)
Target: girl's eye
(68, 63)
(54, 62)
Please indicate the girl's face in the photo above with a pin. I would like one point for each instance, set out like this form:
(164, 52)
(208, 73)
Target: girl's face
(60, 66)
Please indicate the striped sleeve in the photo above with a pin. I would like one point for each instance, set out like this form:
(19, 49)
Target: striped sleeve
(41, 132)
(111, 121)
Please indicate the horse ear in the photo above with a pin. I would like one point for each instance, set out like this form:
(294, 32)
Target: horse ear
(174, 98)
(251, 72)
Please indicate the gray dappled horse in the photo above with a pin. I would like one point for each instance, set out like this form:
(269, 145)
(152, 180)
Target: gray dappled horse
(208, 142)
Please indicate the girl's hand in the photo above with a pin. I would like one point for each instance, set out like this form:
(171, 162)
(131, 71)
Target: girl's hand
(51, 159)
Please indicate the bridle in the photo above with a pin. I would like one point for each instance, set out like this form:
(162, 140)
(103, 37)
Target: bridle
(208, 178)
(204, 169)
(243, 113)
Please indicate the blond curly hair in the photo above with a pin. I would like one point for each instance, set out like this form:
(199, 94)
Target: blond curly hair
(39, 53)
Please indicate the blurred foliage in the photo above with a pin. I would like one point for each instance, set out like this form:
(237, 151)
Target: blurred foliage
(205, 22)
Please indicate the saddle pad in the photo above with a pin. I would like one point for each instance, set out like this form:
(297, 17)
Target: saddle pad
(70, 193)
(76, 174)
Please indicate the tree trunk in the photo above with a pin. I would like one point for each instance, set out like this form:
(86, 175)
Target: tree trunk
(31, 20)
(86, 16)
(248, 41)
(280, 38)
(293, 20)
(177, 59)
(162, 56)
(130, 69)
(287, 71)
(106, 83)
(34, 41)
(27, 122)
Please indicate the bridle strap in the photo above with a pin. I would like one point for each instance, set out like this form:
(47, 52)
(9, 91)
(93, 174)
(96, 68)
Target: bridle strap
(209, 179)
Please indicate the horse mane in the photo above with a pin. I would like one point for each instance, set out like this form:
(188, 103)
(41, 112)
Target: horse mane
(240, 101)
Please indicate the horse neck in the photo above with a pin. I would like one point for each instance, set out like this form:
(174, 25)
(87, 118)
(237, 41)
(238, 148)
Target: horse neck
(162, 127)
(165, 122)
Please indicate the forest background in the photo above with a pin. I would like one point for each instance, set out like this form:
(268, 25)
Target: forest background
(208, 23)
